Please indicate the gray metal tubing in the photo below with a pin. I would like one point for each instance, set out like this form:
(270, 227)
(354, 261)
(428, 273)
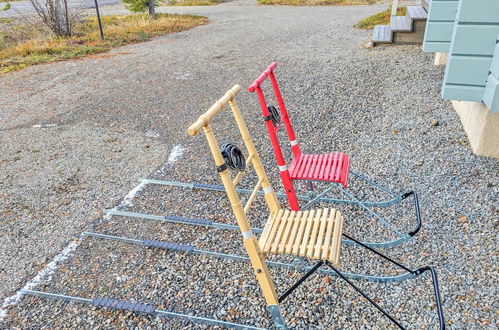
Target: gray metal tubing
(57, 296)
(382, 279)
(219, 225)
(317, 198)
(193, 185)
(157, 312)
(374, 214)
(372, 183)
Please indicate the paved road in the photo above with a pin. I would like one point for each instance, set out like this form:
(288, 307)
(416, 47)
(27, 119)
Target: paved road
(79, 133)
(25, 7)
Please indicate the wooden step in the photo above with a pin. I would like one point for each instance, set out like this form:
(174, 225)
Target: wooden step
(417, 13)
(401, 23)
(382, 34)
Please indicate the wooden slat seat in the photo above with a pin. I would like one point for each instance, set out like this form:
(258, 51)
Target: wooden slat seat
(315, 234)
(331, 167)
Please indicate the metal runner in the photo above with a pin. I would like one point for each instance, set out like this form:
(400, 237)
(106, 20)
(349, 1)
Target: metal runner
(219, 225)
(126, 305)
(289, 266)
(198, 185)
(136, 307)
(401, 237)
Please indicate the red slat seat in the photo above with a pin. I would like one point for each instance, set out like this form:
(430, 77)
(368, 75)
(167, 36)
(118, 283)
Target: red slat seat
(332, 167)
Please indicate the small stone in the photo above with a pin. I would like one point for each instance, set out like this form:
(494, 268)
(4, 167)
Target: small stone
(65, 201)
(369, 45)
(435, 122)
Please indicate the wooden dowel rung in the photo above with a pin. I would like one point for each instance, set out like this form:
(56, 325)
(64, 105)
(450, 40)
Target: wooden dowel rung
(248, 160)
(237, 178)
(240, 174)
(253, 195)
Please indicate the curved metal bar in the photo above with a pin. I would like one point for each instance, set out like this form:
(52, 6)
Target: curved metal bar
(418, 212)
(436, 291)
(356, 288)
(416, 273)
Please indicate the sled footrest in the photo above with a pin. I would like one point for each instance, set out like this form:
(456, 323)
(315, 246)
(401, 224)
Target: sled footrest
(167, 245)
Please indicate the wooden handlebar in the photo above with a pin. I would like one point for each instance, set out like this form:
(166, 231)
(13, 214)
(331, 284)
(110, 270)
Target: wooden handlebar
(205, 118)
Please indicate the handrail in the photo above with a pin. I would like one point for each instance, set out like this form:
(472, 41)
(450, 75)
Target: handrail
(258, 81)
(205, 118)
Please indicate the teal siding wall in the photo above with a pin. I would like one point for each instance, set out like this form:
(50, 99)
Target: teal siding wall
(491, 94)
(440, 25)
(472, 47)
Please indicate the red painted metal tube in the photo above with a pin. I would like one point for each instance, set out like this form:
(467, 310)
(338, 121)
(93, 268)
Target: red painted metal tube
(283, 171)
(258, 81)
(284, 116)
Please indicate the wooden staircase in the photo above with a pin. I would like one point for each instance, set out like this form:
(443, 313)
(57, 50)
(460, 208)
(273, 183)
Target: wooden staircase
(404, 30)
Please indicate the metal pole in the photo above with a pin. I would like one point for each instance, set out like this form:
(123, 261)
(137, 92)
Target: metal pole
(67, 17)
(98, 19)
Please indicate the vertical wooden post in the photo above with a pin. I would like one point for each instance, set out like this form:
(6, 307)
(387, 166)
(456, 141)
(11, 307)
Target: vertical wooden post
(270, 195)
(250, 242)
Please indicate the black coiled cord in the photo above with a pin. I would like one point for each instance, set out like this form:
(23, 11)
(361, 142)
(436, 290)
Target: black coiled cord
(274, 115)
(233, 157)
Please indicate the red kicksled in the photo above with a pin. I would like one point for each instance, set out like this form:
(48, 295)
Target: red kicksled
(328, 167)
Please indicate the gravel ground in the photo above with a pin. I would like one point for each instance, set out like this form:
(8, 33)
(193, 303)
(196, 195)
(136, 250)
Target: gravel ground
(377, 105)
(55, 181)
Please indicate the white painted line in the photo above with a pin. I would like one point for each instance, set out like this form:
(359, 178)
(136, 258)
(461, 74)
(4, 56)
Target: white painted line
(43, 275)
(175, 154)
(46, 273)
(127, 201)
(46, 125)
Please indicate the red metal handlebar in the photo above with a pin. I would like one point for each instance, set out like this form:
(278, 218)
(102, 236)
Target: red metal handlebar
(258, 81)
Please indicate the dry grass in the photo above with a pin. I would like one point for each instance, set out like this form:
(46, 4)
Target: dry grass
(191, 2)
(317, 2)
(381, 18)
(23, 45)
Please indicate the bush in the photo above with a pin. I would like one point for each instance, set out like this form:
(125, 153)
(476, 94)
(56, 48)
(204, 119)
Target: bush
(140, 6)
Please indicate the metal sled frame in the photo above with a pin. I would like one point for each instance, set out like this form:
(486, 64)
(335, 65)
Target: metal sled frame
(256, 256)
(321, 174)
